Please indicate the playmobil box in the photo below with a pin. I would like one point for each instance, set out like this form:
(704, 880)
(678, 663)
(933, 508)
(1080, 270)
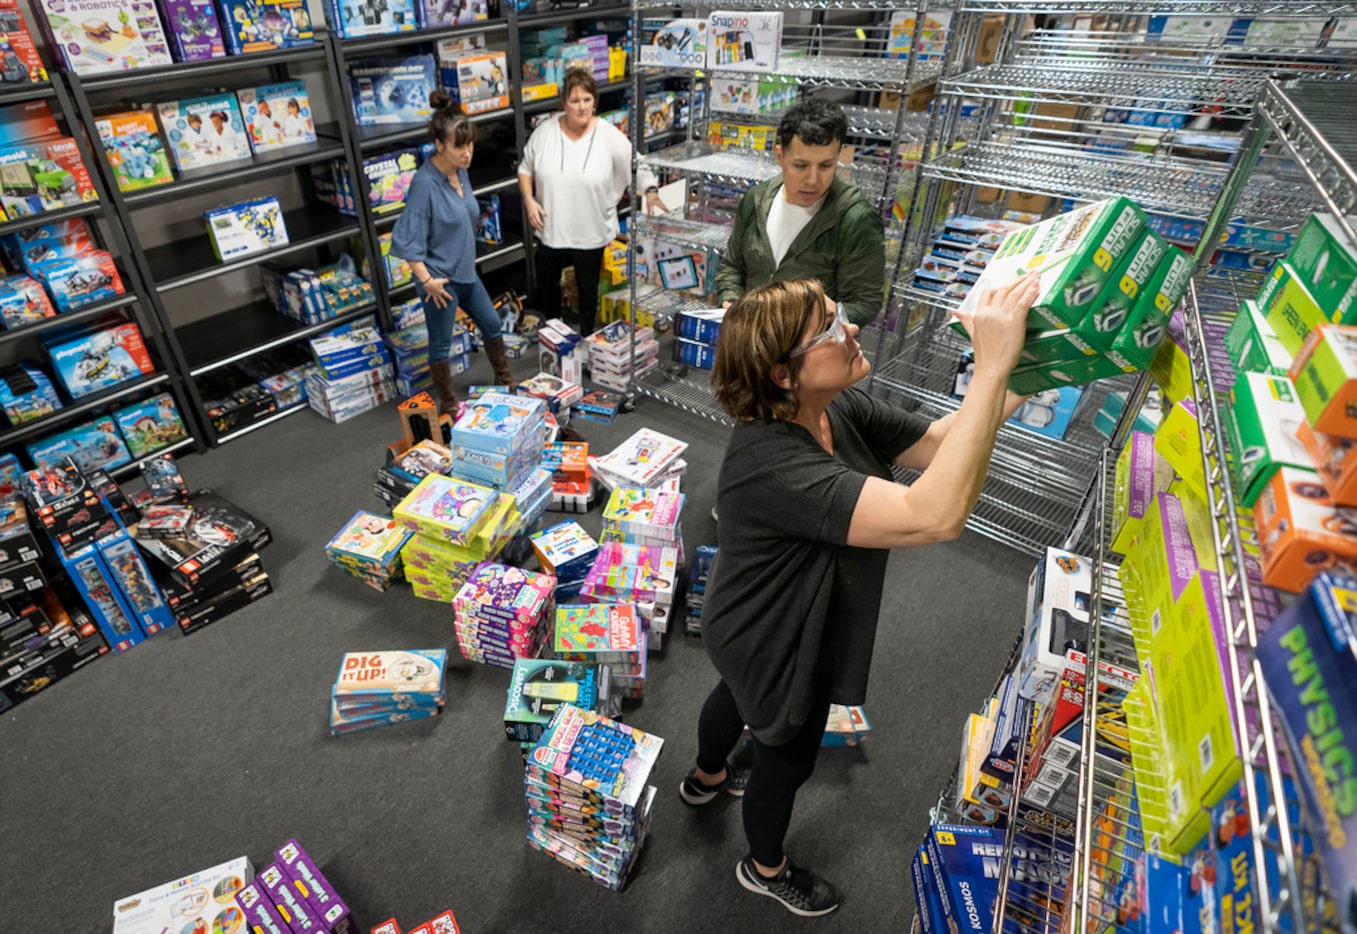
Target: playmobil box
(151, 425)
(1289, 307)
(134, 149)
(265, 25)
(1301, 532)
(248, 227)
(1262, 419)
(22, 64)
(277, 115)
(1059, 595)
(94, 445)
(96, 361)
(77, 281)
(1325, 376)
(1309, 657)
(23, 301)
(202, 131)
(208, 894)
(97, 35)
(353, 19)
(1076, 254)
(478, 82)
(436, 14)
(674, 43)
(392, 90)
(43, 175)
(1252, 344)
(742, 41)
(26, 393)
(194, 30)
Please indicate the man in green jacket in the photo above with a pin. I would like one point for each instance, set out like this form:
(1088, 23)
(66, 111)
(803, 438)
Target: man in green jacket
(808, 221)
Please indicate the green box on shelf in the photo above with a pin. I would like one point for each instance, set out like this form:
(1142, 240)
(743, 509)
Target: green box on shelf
(1262, 418)
(1324, 260)
(1143, 332)
(1120, 297)
(1031, 379)
(1289, 307)
(1253, 345)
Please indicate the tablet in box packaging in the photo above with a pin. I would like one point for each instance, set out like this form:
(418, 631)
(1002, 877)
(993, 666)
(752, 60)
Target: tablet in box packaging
(1300, 530)
(97, 361)
(1289, 307)
(392, 90)
(1253, 345)
(94, 36)
(1059, 594)
(743, 41)
(248, 227)
(315, 887)
(210, 892)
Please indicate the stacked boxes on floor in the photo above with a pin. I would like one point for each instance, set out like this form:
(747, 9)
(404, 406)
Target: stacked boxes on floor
(611, 363)
(695, 333)
(588, 793)
(604, 634)
(598, 405)
(290, 894)
(503, 613)
(572, 477)
(647, 459)
(353, 373)
(368, 547)
(642, 575)
(377, 689)
(409, 349)
(533, 496)
(403, 472)
(538, 686)
(498, 440)
(635, 516)
(698, 571)
(566, 552)
(457, 525)
(162, 908)
(557, 393)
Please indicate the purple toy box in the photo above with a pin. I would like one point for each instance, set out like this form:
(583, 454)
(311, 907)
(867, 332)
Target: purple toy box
(194, 31)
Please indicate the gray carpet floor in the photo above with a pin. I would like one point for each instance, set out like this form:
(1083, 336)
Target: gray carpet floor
(191, 750)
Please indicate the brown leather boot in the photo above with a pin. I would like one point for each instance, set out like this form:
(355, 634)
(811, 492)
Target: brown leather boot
(443, 390)
(499, 362)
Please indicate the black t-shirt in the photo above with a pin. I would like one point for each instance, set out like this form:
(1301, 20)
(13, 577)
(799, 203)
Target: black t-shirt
(790, 606)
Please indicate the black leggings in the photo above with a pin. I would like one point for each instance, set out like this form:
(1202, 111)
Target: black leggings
(777, 773)
(586, 263)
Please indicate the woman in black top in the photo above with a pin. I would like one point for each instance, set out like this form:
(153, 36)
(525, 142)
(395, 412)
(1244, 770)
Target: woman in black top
(809, 512)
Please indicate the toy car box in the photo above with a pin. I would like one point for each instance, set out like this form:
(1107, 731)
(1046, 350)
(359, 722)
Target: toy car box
(1325, 376)
(1301, 531)
(95, 445)
(1262, 419)
(265, 25)
(18, 546)
(95, 36)
(211, 892)
(151, 425)
(65, 504)
(204, 612)
(139, 591)
(222, 536)
(1252, 344)
(134, 149)
(194, 30)
(1059, 595)
(80, 280)
(21, 63)
(392, 90)
(248, 227)
(353, 19)
(478, 82)
(97, 361)
(743, 41)
(106, 602)
(277, 115)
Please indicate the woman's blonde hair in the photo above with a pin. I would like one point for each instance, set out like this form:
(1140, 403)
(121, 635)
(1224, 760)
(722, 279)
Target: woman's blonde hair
(757, 334)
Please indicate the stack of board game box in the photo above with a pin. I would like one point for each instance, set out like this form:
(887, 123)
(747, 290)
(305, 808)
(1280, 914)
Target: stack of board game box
(456, 526)
(533, 496)
(611, 363)
(369, 547)
(291, 894)
(502, 614)
(589, 796)
(538, 686)
(377, 689)
(644, 517)
(353, 373)
(642, 575)
(699, 569)
(404, 471)
(566, 552)
(598, 405)
(604, 634)
(647, 459)
(498, 440)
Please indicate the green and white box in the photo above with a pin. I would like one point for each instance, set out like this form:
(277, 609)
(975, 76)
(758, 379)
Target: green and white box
(1120, 297)
(1253, 345)
(1142, 333)
(1262, 418)
(1289, 306)
(1027, 380)
(1076, 254)
(1323, 258)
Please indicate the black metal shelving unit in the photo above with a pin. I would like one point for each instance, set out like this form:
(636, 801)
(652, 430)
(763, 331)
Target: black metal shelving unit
(218, 341)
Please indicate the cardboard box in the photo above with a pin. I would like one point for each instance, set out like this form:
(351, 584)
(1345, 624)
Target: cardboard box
(1289, 307)
(1059, 591)
(743, 41)
(1323, 259)
(479, 82)
(211, 891)
(1134, 489)
(674, 43)
(1262, 419)
(1301, 531)
(261, 915)
(1253, 345)
(392, 90)
(1329, 456)
(1325, 376)
(1178, 441)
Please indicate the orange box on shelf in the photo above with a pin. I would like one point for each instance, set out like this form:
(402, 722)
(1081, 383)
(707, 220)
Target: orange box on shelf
(1325, 376)
(1301, 531)
(1336, 468)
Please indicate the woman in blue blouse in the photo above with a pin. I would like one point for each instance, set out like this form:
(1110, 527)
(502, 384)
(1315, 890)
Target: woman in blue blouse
(436, 235)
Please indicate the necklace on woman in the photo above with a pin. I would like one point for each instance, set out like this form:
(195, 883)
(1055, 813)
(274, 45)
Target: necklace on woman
(587, 151)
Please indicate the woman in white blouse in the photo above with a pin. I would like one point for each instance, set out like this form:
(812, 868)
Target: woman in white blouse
(580, 166)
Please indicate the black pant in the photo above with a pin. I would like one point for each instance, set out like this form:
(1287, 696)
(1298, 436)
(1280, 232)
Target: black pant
(586, 264)
(777, 773)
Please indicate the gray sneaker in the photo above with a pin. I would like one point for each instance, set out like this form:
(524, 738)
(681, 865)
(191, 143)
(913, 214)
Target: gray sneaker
(695, 793)
(800, 891)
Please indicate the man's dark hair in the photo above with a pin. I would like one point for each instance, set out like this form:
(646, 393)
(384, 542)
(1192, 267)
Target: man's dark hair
(817, 122)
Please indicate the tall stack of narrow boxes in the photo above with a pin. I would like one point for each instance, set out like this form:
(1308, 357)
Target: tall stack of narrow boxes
(636, 516)
(353, 374)
(604, 634)
(457, 525)
(641, 576)
(498, 440)
(502, 614)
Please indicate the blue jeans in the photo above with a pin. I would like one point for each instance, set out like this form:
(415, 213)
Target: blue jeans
(471, 296)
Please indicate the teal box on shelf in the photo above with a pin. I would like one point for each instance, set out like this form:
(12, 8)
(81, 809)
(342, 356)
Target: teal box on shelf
(148, 426)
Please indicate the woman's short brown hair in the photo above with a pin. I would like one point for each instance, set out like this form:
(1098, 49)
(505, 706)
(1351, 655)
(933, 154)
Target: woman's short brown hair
(757, 334)
(579, 78)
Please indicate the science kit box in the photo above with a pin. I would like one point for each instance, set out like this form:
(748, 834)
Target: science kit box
(96, 36)
(353, 19)
(1262, 419)
(211, 892)
(446, 508)
(135, 151)
(479, 83)
(1301, 532)
(436, 14)
(277, 115)
(248, 227)
(390, 676)
(742, 41)
(93, 362)
(674, 43)
(193, 28)
(392, 90)
(265, 25)
(538, 687)
(202, 131)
